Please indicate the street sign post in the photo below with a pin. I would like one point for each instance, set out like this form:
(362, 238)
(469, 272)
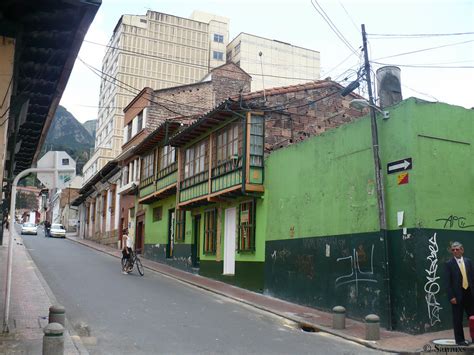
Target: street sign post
(399, 165)
(51, 175)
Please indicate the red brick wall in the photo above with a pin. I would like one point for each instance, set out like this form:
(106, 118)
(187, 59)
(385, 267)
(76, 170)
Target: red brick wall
(300, 118)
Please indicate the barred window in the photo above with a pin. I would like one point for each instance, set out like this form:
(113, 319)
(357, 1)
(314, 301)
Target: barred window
(180, 225)
(247, 226)
(210, 231)
(167, 156)
(147, 166)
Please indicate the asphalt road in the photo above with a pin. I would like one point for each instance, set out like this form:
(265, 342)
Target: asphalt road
(154, 314)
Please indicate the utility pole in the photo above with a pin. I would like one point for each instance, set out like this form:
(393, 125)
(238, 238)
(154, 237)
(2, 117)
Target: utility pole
(378, 174)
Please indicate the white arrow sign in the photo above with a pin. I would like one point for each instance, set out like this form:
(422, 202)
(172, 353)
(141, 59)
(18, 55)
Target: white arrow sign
(403, 166)
(399, 165)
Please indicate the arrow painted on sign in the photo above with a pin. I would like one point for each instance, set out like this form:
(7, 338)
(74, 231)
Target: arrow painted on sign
(403, 165)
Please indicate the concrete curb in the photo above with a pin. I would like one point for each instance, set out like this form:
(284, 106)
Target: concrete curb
(69, 330)
(300, 321)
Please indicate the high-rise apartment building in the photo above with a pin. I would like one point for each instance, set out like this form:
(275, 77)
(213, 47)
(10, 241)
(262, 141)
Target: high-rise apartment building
(273, 63)
(155, 50)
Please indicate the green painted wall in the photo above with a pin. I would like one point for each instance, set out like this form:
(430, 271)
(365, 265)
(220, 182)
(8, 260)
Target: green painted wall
(157, 232)
(324, 187)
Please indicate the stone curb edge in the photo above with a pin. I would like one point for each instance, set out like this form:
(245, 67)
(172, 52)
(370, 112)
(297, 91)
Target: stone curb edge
(369, 344)
(81, 349)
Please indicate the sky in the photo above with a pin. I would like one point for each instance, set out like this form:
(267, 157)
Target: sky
(440, 69)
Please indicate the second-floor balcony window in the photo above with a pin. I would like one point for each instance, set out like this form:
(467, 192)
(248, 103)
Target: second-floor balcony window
(228, 143)
(195, 160)
(167, 156)
(147, 166)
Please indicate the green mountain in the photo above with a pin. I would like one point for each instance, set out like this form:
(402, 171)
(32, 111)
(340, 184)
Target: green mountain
(68, 134)
(91, 126)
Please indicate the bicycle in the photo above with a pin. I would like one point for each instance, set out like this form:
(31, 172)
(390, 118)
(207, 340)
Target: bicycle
(133, 260)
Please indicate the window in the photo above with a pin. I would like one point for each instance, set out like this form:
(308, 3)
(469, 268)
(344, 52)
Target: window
(125, 175)
(217, 55)
(147, 166)
(167, 156)
(180, 225)
(256, 140)
(228, 143)
(140, 121)
(195, 160)
(129, 131)
(247, 226)
(218, 38)
(157, 213)
(210, 231)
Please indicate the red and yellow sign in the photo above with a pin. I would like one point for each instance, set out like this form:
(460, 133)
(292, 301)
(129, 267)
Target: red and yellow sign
(402, 179)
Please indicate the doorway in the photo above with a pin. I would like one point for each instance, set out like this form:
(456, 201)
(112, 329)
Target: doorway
(139, 235)
(229, 241)
(171, 228)
(196, 247)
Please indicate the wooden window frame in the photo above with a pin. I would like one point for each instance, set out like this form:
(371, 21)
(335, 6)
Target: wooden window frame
(227, 152)
(148, 166)
(246, 242)
(196, 164)
(210, 231)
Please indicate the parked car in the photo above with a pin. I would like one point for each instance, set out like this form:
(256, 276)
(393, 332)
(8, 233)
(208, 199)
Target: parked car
(29, 228)
(57, 230)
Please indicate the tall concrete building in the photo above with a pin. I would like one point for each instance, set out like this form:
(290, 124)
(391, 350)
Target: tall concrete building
(273, 63)
(155, 50)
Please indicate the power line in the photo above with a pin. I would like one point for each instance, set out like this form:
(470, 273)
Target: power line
(333, 27)
(425, 49)
(427, 66)
(350, 17)
(419, 35)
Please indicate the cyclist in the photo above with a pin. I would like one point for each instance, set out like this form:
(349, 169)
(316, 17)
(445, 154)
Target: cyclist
(127, 251)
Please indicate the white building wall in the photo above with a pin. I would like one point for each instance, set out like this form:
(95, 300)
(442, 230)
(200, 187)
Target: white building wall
(282, 64)
(154, 50)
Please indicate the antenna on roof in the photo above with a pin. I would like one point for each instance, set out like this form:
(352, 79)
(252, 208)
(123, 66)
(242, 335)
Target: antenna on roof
(263, 79)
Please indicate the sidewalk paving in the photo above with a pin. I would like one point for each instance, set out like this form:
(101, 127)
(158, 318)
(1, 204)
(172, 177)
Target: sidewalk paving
(29, 305)
(321, 321)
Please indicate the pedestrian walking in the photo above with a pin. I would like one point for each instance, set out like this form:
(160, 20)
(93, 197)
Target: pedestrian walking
(460, 289)
(47, 228)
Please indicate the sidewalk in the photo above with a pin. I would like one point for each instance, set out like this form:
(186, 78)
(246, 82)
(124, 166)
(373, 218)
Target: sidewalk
(306, 316)
(29, 305)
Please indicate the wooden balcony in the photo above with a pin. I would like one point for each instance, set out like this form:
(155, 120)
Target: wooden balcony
(163, 186)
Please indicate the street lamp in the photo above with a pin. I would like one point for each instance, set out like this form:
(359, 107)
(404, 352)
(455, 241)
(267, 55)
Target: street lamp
(362, 103)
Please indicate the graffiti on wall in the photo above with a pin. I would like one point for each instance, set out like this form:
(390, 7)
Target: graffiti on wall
(454, 221)
(432, 286)
(355, 275)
